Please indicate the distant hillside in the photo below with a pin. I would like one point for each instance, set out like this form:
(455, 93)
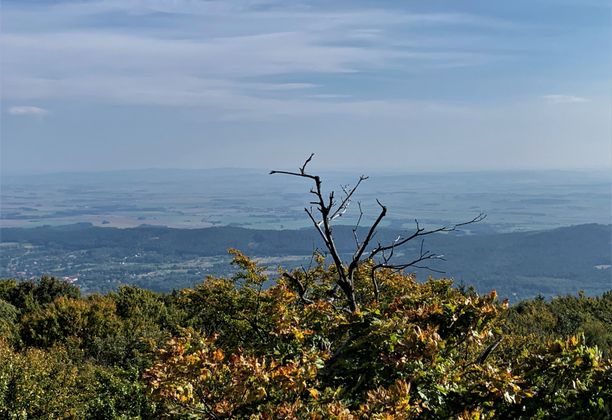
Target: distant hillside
(519, 265)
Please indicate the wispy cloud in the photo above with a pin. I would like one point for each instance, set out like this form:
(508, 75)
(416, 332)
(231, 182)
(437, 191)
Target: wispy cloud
(232, 82)
(184, 57)
(564, 99)
(28, 110)
(96, 65)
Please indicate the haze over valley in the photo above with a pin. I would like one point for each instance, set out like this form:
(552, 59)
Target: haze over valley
(168, 229)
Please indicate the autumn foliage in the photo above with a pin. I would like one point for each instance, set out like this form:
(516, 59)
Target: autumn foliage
(252, 346)
(423, 350)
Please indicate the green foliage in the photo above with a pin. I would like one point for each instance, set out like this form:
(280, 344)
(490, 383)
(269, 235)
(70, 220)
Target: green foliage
(28, 295)
(121, 329)
(565, 316)
(244, 347)
(569, 380)
(8, 321)
(38, 383)
(118, 394)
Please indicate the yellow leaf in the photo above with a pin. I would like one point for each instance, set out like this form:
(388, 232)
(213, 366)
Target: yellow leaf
(261, 392)
(218, 355)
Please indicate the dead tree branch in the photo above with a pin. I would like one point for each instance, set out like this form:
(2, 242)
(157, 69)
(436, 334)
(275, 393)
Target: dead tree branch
(299, 286)
(327, 209)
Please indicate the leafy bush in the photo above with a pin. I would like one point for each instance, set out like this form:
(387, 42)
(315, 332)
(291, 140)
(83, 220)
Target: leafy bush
(236, 348)
(421, 350)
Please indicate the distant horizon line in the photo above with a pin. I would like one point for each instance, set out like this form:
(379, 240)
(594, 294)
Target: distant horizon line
(305, 228)
(377, 171)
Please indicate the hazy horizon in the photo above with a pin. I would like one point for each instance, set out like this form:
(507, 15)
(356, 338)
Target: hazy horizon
(356, 171)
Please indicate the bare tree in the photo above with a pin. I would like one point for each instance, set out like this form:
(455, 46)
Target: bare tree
(329, 208)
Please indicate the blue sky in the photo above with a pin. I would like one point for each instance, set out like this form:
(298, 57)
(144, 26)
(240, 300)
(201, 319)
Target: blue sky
(399, 85)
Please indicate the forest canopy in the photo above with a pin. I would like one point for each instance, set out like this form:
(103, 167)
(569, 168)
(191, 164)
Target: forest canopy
(232, 348)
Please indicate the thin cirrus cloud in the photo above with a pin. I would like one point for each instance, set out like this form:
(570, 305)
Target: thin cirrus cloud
(27, 110)
(564, 99)
(102, 59)
(189, 60)
(482, 82)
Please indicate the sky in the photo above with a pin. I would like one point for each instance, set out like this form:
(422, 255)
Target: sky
(394, 85)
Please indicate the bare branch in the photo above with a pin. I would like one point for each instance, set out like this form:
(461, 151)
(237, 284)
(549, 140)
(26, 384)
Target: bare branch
(328, 210)
(303, 168)
(357, 225)
(331, 201)
(375, 283)
(347, 199)
(317, 225)
(368, 238)
(423, 256)
(301, 289)
(419, 231)
(481, 216)
(294, 174)
(483, 357)
(314, 252)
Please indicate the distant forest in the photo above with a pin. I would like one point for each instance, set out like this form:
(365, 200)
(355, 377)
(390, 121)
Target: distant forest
(518, 265)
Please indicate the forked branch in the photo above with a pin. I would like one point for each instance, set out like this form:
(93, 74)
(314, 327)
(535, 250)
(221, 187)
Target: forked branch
(381, 256)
